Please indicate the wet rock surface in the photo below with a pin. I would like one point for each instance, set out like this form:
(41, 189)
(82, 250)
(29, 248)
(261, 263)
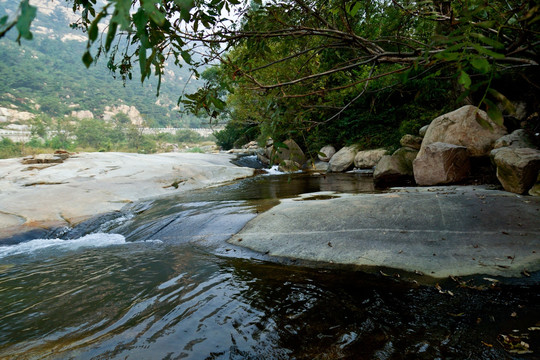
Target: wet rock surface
(439, 231)
(58, 194)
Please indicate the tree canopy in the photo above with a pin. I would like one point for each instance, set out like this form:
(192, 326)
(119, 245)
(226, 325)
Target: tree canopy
(310, 61)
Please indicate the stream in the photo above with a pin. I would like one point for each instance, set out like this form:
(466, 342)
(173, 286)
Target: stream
(159, 281)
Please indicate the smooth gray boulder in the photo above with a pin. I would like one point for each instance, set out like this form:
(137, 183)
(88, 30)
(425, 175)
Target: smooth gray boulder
(461, 127)
(439, 231)
(517, 139)
(89, 184)
(328, 151)
(368, 159)
(319, 166)
(441, 163)
(414, 142)
(517, 169)
(343, 160)
(422, 131)
(395, 169)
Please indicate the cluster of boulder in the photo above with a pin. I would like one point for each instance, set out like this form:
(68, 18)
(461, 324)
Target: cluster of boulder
(454, 148)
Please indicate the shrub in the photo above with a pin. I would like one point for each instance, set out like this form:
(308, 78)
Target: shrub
(9, 149)
(236, 134)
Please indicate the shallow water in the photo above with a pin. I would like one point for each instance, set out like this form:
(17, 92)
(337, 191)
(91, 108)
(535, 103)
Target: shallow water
(159, 282)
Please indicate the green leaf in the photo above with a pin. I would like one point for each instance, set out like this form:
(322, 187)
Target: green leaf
(353, 9)
(464, 80)
(93, 30)
(140, 20)
(218, 103)
(483, 50)
(481, 64)
(486, 24)
(186, 56)
(87, 59)
(121, 14)
(448, 56)
(185, 4)
(488, 41)
(110, 35)
(28, 13)
(483, 122)
(3, 20)
(507, 104)
(142, 61)
(494, 112)
(153, 12)
(159, 83)
(280, 145)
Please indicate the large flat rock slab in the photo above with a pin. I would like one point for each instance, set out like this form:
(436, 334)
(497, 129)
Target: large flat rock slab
(88, 184)
(437, 231)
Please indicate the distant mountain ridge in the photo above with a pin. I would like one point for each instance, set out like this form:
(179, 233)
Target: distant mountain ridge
(46, 75)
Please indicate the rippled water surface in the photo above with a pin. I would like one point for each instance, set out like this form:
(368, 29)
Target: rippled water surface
(159, 282)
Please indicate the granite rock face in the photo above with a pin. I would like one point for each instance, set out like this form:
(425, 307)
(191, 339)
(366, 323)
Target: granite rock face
(343, 160)
(414, 142)
(462, 127)
(517, 139)
(368, 159)
(441, 163)
(395, 169)
(517, 169)
(87, 184)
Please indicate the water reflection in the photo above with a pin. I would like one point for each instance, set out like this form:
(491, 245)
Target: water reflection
(175, 299)
(157, 301)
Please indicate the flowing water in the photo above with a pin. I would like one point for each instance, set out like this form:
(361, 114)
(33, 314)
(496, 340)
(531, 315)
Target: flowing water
(158, 281)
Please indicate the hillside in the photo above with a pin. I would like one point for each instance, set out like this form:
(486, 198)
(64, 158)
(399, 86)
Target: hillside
(46, 75)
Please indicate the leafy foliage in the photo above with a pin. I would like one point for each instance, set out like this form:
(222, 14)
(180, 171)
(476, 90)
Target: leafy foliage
(236, 134)
(294, 68)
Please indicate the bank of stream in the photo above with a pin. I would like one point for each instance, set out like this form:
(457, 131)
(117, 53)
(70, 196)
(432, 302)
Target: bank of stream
(159, 281)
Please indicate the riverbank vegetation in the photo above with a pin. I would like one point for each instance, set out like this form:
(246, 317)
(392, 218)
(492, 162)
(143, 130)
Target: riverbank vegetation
(320, 72)
(92, 135)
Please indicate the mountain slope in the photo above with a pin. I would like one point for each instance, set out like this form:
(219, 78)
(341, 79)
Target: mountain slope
(46, 75)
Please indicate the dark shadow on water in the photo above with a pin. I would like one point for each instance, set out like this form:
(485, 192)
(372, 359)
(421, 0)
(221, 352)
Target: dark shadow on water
(157, 301)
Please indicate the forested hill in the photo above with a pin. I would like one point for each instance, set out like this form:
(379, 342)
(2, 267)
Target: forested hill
(46, 75)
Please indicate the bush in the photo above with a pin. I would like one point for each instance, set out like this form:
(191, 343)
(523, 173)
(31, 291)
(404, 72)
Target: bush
(188, 136)
(9, 149)
(236, 134)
